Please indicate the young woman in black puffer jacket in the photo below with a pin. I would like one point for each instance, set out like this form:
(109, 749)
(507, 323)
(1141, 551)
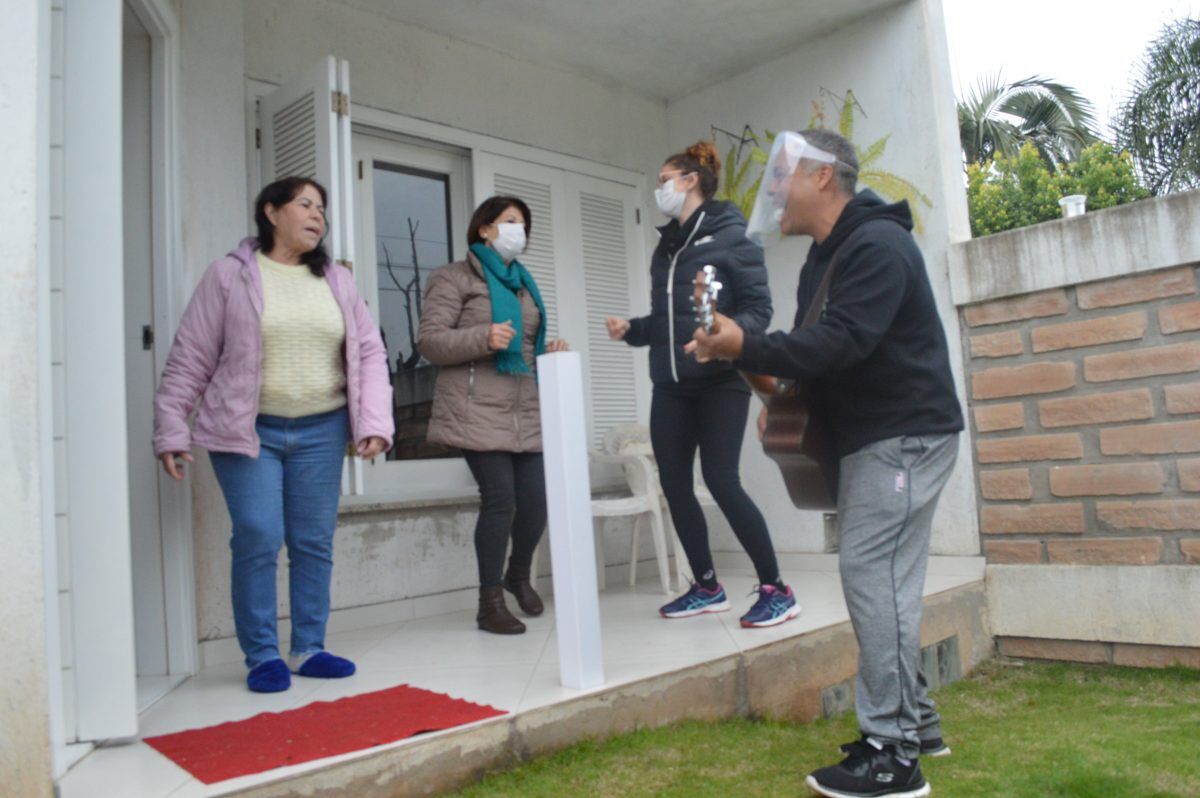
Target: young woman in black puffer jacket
(704, 405)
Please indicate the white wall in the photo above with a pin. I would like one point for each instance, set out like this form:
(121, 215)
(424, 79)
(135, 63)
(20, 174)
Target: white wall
(404, 70)
(897, 65)
(25, 758)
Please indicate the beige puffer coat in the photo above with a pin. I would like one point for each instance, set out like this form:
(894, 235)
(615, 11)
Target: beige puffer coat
(476, 407)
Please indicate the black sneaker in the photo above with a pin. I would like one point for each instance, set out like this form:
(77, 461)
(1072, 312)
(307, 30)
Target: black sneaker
(935, 747)
(869, 772)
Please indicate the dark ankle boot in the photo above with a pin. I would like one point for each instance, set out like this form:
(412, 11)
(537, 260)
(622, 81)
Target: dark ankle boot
(516, 581)
(494, 616)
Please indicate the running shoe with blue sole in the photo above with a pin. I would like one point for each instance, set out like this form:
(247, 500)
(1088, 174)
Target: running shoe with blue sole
(772, 608)
(696, 601)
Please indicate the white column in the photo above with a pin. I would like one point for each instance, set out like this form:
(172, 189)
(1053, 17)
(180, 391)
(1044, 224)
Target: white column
(94, 290)
(569, 507)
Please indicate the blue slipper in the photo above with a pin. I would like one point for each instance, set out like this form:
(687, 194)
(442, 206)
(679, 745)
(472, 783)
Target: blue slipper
(271, 676)
(323, 665)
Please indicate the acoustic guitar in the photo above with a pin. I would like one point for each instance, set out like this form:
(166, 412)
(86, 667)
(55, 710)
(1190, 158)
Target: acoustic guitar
(796, 436)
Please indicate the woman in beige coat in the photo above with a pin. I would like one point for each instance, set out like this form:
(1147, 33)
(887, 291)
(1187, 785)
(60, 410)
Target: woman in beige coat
(483, 322)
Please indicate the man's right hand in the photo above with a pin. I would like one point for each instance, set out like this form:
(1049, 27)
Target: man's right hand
(499, 335)
(762, 422)
(616, 327)
(171, 464)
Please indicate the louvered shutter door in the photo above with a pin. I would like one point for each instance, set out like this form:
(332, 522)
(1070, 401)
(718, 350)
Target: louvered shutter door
(302, 136)
(604, 233)
(539, 256)
(580, 252)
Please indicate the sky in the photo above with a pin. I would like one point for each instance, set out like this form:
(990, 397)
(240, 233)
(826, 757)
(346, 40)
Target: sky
(1092, 46)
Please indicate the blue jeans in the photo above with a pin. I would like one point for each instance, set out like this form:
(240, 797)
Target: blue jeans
(288, 494)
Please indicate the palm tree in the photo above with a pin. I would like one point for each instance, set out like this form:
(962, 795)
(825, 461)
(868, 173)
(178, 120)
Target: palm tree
(998, 117)
(1160, 121)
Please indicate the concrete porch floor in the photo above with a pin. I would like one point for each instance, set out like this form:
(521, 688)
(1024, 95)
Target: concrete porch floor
(657, 672)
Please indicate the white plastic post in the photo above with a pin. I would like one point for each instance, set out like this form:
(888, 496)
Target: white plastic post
(569, 509)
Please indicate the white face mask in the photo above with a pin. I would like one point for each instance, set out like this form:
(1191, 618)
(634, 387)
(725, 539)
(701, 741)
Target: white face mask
(509, 241)
(670, 199)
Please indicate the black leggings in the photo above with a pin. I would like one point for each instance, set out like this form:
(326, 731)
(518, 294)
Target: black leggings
(512, 496)
(711, 414)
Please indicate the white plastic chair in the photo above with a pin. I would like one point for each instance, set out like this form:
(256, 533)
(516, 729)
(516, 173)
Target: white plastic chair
(629, 447)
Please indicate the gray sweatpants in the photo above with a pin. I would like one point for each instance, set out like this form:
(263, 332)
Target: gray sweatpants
(888, 492)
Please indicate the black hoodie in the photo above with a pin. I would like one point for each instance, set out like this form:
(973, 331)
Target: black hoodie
(878, 356)
(715, 234)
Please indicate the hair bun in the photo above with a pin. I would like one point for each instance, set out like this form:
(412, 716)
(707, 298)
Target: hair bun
(705, 153)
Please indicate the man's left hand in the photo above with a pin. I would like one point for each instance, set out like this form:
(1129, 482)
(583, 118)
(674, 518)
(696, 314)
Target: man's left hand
(723, 343)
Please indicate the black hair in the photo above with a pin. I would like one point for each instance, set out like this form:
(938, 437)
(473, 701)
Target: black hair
(489, 211)
(278, 194)
(845, 169)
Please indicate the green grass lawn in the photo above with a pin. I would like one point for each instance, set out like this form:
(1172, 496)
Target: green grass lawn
(1032, 729)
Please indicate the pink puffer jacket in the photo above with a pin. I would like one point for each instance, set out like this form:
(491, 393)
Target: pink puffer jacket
(217, 354)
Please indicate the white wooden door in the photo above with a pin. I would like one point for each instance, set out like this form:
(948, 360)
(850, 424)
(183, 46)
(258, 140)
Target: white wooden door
(608, 249)
(149, 603)
(582, 249)
(544, 190)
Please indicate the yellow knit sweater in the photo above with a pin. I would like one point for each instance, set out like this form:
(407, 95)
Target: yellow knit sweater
(303, 334)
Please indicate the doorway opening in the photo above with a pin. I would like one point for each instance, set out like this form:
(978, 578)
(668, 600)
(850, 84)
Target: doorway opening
(160, 545)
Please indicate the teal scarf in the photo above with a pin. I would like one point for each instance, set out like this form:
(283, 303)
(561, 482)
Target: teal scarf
(503, 282)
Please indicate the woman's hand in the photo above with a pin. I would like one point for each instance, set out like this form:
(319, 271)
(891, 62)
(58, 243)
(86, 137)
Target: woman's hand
(368, 449)
(557, 345)
(499, 335)
(170, 464)
(616, 327)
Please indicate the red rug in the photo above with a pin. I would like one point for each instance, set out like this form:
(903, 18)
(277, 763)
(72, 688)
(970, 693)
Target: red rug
(324, 728)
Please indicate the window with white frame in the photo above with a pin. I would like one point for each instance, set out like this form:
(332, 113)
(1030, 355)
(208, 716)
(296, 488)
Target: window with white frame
(403, 200)
(411, 209)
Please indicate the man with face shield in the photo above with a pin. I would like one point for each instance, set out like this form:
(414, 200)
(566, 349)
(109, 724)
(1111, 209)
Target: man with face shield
(878, 363)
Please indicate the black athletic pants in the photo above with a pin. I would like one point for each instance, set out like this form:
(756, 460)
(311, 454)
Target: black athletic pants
(708, 413)
(512, 496)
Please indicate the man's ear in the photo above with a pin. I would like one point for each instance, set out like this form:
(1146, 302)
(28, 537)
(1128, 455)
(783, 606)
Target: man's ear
(825, 177)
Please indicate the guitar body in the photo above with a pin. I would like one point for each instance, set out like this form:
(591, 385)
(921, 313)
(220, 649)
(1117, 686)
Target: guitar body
(796, 436)
(797, 439)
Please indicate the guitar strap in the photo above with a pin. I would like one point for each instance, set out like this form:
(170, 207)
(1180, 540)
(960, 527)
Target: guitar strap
(817, 417)
(821, 298)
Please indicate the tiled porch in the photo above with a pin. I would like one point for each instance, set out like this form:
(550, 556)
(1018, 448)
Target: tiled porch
(519, 674)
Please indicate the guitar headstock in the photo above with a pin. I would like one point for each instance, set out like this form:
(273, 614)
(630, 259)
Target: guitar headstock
(704, 297)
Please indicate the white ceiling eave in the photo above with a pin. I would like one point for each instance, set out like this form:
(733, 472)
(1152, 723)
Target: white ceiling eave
(663, 49)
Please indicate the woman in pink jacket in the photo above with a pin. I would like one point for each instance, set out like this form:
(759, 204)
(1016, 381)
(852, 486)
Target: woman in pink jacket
(290, 366)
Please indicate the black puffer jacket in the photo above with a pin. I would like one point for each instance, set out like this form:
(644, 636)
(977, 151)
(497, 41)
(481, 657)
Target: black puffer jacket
(714, 234)
(878, 357)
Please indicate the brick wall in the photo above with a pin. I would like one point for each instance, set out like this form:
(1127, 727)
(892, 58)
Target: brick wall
(1085, 402)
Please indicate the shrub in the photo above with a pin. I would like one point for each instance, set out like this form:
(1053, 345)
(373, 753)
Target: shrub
(1007, 193)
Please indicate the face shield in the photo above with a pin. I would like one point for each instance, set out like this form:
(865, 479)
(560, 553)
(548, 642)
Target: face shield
(786, 153)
